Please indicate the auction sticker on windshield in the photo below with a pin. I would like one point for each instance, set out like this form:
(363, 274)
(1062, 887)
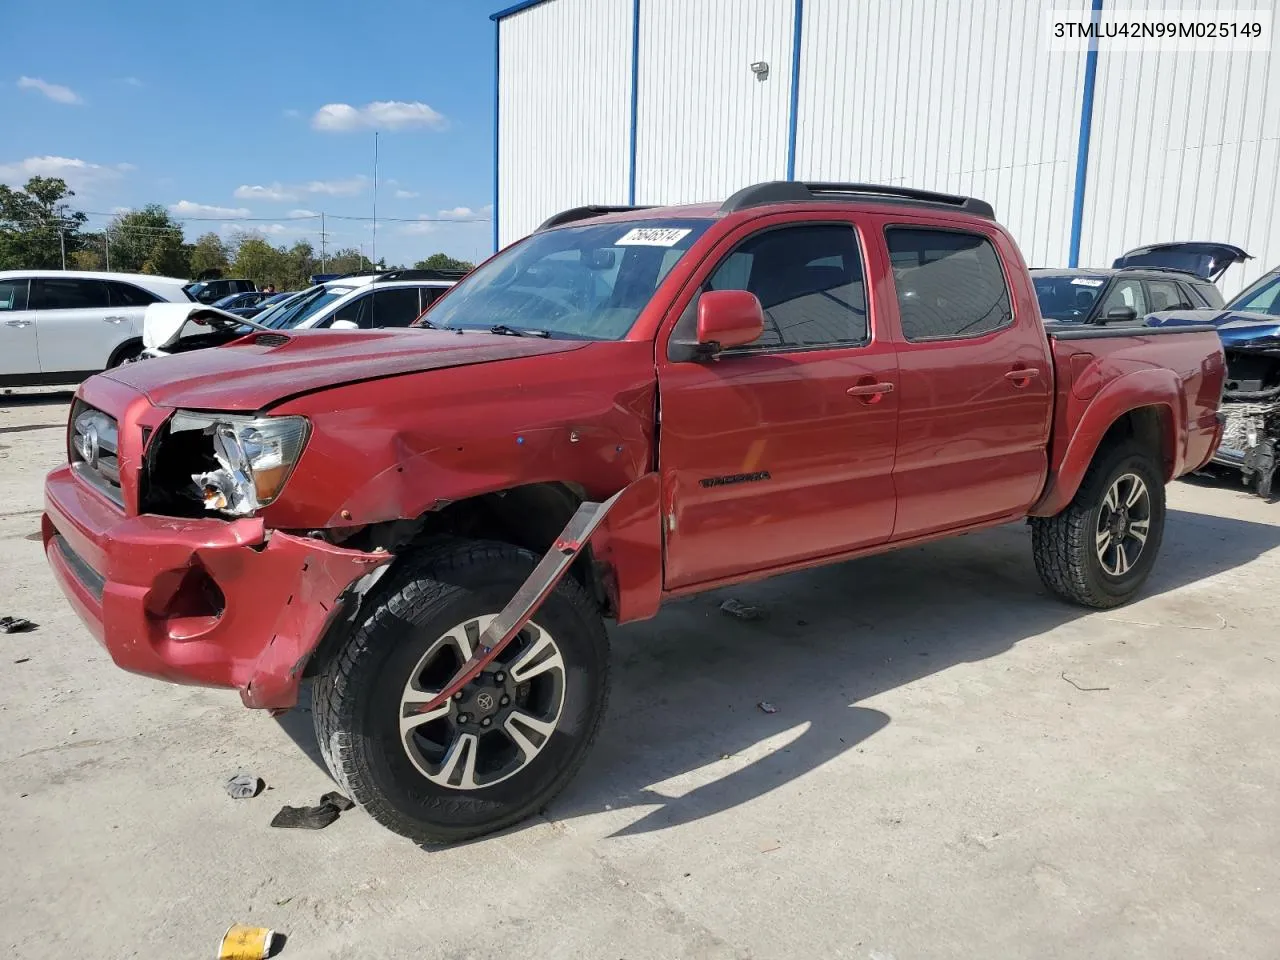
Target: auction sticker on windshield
(1086, 282)
(652, 237)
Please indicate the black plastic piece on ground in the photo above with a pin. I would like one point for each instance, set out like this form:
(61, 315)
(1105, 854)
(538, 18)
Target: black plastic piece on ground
(335, 799)
(306, 818)
(16, 625)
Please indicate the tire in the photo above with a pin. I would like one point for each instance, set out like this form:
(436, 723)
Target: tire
(409, 631)
(127, 353)
(1070, 554)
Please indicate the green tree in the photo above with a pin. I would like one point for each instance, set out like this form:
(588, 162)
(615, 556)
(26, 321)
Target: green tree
(300, 265)
(148, 241)
(442, 261)
(35, 224)
(348, 261)
(209, 252)
(258, 260)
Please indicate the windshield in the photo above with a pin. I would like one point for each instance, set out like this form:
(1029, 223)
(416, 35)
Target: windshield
(1067, 296)
(586, 283)
(306, 304)
(1262, 297)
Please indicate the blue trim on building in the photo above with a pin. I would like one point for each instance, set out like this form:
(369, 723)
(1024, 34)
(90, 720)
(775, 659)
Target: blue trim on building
(497, 73)
(1082, 151)
(514, 9)
(797, 33)
(635, 97)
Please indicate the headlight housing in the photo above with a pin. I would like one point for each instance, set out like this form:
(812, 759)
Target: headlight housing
(255, 457)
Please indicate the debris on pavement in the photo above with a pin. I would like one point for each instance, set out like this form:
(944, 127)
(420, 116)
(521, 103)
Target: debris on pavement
(770, 845)
(16, 625)
(1080, 688)
(244, 786)
(313, 818)
(743, 611)
(243, 942)
(23, 660)
(767, 707)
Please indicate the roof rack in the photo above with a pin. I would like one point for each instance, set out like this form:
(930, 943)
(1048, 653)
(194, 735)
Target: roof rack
(409, 274)
(581, 213)
(796, 191)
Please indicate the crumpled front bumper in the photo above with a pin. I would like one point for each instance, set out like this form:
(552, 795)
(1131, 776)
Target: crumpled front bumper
(211, 602)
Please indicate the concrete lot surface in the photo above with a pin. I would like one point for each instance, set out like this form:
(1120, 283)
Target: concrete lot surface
(959, 766)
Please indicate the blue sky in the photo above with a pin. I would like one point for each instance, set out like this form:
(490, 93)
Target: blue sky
(261, 109)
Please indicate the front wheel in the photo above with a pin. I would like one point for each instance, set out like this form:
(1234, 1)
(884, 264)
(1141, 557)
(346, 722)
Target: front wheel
(1100, 550)
(503, 747)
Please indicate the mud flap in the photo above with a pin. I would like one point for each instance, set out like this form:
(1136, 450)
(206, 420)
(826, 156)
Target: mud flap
(521, 607)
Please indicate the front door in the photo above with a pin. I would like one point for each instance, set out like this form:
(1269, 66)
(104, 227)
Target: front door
(782, 450)
(76, 328)
(976, 395)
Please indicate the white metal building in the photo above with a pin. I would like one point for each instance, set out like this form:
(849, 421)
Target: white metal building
(1083, 155)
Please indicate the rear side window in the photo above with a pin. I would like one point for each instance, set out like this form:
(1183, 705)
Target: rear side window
(13, 294)
(127, 295)
(69, 294)
(1205, 295)
(397, 307)
(1165, 295)
(809, 281)
(949, 284)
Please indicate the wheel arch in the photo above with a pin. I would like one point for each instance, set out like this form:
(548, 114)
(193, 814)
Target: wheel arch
(123, 350)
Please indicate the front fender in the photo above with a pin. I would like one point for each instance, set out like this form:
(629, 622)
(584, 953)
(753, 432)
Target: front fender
(1081, 425)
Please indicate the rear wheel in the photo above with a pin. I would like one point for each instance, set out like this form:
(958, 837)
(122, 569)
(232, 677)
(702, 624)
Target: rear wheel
(502, 748)
(1100, 550)
(128, 353)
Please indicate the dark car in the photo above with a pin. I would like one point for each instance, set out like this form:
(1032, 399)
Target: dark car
(1166, 276)
(251, 304)
(210, 291)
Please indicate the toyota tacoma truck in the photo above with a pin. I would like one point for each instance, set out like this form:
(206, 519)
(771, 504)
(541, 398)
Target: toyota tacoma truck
(432, 525)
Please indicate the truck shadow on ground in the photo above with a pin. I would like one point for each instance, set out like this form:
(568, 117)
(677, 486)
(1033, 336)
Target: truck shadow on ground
(688, 684)
(42, 398)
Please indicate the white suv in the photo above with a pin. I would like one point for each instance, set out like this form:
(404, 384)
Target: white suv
(365, 302)
(60, 326)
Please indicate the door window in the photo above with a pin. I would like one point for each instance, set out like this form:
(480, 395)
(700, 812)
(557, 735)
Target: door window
(57, 293)
(1263, 300)
(1165, 295)
(809, 281)
(397, 307)
(949, 284)
(1125, 293)
(127, 295)
(13, 294)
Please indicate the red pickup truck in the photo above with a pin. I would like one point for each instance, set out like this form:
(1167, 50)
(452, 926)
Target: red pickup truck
(627, 405)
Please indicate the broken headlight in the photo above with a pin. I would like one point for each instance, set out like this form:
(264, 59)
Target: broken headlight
(255, 456)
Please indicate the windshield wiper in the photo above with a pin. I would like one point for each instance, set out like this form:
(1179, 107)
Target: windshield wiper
(504, 330)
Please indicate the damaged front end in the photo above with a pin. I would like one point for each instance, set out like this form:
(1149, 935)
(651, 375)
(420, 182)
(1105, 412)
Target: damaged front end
(1251, 408)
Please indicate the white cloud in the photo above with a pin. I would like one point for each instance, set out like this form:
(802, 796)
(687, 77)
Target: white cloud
(337, 188)
(185, 208)
(418, 228)
(461, 213)
(274, 192)
(273, 228)
(54, 91)
(406, 194)
(379, 115)
(132, 81)
(292, 113)
(80, 175)
(300, 214)
(119, 210)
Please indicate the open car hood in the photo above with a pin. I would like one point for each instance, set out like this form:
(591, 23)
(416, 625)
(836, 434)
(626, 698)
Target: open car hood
(265, 367)
(1206, 260)
(163, 324)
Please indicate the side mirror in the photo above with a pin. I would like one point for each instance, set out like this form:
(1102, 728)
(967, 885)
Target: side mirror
(728, 318)
(343, 325)
(1121, 315)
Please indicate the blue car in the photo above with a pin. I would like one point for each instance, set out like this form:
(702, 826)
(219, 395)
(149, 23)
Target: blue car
(1249, 326)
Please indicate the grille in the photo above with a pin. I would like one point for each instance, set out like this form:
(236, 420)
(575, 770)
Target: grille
(95, 449)
(271, 339)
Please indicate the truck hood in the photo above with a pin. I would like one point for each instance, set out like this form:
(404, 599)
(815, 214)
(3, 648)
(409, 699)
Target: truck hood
(1236, 328)
(263, 368)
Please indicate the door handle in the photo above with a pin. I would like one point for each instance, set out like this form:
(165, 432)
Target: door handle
(114, 319)
(1020, 378)
(870, 392)
(18, 323)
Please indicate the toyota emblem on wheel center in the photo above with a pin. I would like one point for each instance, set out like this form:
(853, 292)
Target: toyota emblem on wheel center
(485, 701)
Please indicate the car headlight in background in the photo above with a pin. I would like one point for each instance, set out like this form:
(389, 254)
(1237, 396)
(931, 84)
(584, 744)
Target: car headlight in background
(255, 456)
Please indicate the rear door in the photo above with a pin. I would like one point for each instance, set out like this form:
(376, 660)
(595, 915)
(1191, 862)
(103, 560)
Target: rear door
(18, 354)
(975, 398)
(392, 307)
(1168, 295)
(76, 328)
(782, 450)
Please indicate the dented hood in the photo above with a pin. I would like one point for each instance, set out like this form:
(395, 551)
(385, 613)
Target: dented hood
(263, 368)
